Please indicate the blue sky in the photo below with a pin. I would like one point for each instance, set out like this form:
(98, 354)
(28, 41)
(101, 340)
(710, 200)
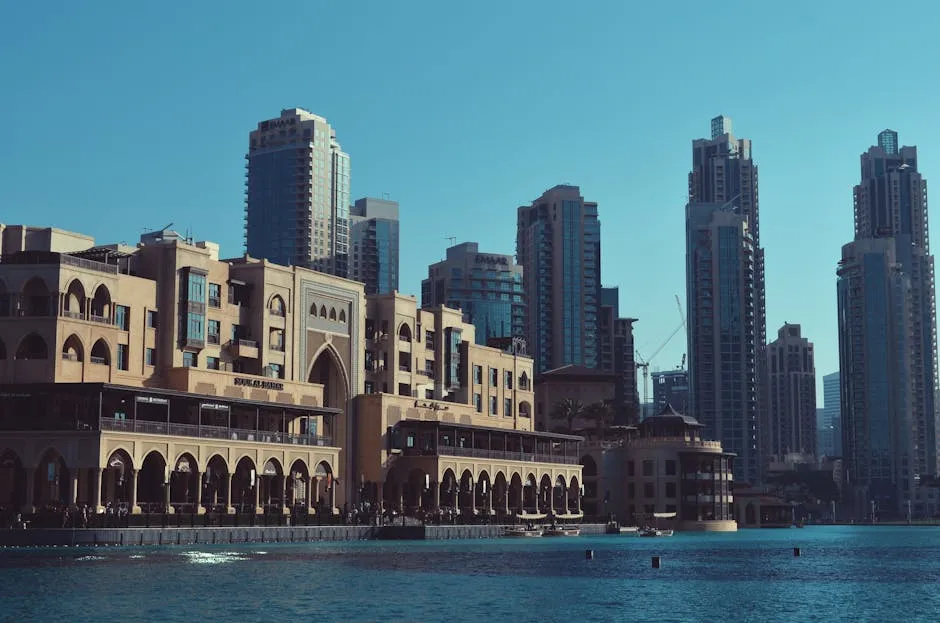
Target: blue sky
(121, 118)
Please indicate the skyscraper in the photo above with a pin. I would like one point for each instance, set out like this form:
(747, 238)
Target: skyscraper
(373, 244)
(487, 287)
(887, 334)
(297, 197)
(791, 396)
(615, 341)
(725, 295)
(832, 419)
(671, 387)
(558, 244)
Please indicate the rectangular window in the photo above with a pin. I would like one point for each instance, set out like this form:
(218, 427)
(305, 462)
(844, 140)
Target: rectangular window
(150, 357)
(648, 467)
(213, 330)
(122, 358)
(507, 379)
(670, 489)
(648, 490)
(122, 317)
(670, 468)
(215, 295)
(370, 387)
(189, 360)
(478, 375)
(478, 402)
(507, 407)
(151, 319)
(631, 490)
(275, 370)
(494, 377)
(494, 405)
(197, 288)
(212, 363)
(631, 468)
(195, 327)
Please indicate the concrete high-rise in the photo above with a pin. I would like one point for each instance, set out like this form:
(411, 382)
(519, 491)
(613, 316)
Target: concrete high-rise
(297, 196)
(832, 419)
(887, 335)
(725, 295)
(558, 244)
(615, 342)
(791, 397)
(373, 244)
(486, 287)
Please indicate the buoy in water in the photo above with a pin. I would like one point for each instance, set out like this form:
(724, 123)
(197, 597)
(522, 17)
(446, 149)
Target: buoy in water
(589, 554)
(657, 562)
(797, 552)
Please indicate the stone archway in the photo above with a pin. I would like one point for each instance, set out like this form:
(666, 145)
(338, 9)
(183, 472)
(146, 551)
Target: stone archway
(12, 483)
(185, 484)
(501, 501)
(216, 483)
(152, 487)
(324, 487)
(271, 482)
(574, 496)
(465, 496)
(297, 490)
(118, 481)
(327, 370)
(448, 490)
(417, 497)
(244, 493)
(52, 481)
(483, 495)
(559, 496)
(544, 493)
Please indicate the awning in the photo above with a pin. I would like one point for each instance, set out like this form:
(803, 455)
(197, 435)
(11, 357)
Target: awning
(664, 515)
(569, 516)
(532, 516)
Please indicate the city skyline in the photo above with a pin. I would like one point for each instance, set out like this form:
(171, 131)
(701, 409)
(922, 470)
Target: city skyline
(191, 169)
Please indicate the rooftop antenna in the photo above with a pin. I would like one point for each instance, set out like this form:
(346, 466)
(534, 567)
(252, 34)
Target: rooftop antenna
(452, 240)
(387, 196)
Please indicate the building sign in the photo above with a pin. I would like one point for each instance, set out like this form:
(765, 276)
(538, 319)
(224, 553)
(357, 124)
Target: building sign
(259, 384)
(492, 260)
(150, 400)
(277, 123)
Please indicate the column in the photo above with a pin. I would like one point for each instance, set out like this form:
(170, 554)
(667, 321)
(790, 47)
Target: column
(332, 496)
(73, 486)
(473, 498)
(436, 486)
(288, 481)
(308, 486)
(564, 501)
(506, 498)
(166, 497)
(199, 509)
(489, 501)
(96, 474)
(551, 500)
(257, 496)
(229, 497)
(316, 491)
(30, 492)
(521, 500)
(132, 491)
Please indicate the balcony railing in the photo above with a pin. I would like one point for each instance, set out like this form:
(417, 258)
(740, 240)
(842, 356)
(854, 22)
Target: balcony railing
(506, 455)
(246, 343)
(211, 432)
(99, 319)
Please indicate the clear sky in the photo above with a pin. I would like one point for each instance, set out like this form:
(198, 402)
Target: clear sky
(121, 117)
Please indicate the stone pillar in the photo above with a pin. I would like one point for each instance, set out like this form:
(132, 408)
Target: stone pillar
(95, 474)
(564, 500)
(257, 496)
(199, 509)
(473, 497)
(506, 498)
(28, 504)
(436, 486)
(166, 497)
(332, 496)
(132, 493)
(521, 500)
(316, 497)
(230, 486)
(308, 487)
(73, 486)
(489, 501)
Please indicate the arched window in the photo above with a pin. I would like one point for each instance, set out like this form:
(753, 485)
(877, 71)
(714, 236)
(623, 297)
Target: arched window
(100, 353)
(333, 314)
(75, 300)
(404, 332)
(101, 305)
(322, 311)
(72, 349)
(277, 307)
(342, 315)
(32, 347)
(36, 298)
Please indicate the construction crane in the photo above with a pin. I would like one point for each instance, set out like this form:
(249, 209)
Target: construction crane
(685, 327)
(644, 364)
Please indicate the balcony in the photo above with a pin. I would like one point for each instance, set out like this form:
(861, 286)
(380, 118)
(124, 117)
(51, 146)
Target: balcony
(243, 348)
(211, 432)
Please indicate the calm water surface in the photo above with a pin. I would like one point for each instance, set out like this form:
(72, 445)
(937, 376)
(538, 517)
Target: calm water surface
(845, 573)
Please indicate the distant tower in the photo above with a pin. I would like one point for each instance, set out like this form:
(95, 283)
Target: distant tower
(373, 237)
(791, 396)
(297, 200)
(558, 244)
(725, 295)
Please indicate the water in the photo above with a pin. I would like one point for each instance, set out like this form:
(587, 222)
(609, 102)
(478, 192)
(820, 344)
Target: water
(845, 573)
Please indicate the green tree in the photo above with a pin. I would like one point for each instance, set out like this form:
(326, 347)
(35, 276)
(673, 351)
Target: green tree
(602, 413)
(567, 411)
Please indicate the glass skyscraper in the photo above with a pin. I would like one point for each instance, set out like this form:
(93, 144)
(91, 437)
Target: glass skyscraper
(487, 287)
(725, 295)
(558, 244)
(373, 233)
(297, 193)
(887, 336)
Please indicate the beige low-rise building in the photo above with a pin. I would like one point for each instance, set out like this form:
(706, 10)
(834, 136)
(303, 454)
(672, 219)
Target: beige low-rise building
(160, 377)
(447, 424)
(664, 470)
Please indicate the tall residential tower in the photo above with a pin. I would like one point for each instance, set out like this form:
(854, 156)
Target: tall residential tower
(297, 196)
(558, 244)
(887, 336)
(725, 295)
(487, 287)
(790, 427)
(373, 244)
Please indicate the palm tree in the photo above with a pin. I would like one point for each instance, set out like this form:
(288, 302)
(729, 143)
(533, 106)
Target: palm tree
(602, 413)
(568, 411)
